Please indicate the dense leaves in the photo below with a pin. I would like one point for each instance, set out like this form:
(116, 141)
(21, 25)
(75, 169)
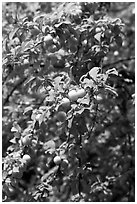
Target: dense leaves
(68, 102)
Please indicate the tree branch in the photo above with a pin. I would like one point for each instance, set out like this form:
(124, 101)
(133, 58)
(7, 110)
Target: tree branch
(15, 87)
(119, 61)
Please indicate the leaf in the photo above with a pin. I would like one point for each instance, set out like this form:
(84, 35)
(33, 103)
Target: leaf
(41, 118)
(111, 90)
(4, 174)
(13, 140)
(62, 24)
(16, 128)
(52, 95)
(62, 52)
(88, 83)
(50, 173)
(101, 78)
(112, 71)
(37, 17)
(30, 79)
(49, 146)
(16, 50)
(27, 109)
(15, 169)
(17, 134)
(11, 148)
(13, 129)
(26, 45)
(98, 36)
(37, 195)
(93, 72)
(117, 21)
(57, 81)
(84, 101)
(12, 33)
(70, 122)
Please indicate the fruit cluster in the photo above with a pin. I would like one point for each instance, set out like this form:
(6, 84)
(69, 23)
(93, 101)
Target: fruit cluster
(63, 163)
(73, 96)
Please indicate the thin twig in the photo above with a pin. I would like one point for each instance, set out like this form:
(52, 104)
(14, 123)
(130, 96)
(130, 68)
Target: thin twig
(94, 122)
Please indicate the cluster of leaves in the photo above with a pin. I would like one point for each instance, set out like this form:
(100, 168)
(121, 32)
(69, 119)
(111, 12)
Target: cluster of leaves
(68, 114)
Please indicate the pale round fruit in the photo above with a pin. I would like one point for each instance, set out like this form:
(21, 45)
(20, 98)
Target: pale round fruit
(26, 140)
(73, 95)
(26, 157)
(65, 102)
(81, 93)
(48, 39)
(61, 116)
(57, 160)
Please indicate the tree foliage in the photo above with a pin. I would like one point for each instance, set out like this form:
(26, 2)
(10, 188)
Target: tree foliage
(68, 101)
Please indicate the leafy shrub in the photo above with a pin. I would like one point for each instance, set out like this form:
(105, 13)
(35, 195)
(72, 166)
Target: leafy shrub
(68, 102)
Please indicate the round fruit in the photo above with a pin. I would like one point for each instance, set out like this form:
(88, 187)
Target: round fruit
(73, 95)
(26, 140)
(81, 93)
(48, 39)
(57, 160)
(35, 31)
(108, 33)
(26, 157)
(65, 103)
(11, 190)
(64, 164)
(61, 116)
(73, 48)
